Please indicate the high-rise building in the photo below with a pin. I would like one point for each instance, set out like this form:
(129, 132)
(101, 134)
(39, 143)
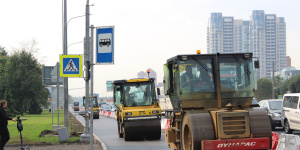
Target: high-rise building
(264, 35)
(227, 35)
(215, 33)
(289, 61)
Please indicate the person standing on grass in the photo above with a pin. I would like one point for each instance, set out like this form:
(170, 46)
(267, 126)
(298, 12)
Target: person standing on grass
(4, 134)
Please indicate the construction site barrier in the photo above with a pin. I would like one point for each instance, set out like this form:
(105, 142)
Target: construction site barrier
(165, 123)
(275, 139)
(107, 113)
(288, 142)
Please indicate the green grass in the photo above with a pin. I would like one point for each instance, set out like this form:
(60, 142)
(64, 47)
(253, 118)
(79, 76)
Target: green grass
(34, 125)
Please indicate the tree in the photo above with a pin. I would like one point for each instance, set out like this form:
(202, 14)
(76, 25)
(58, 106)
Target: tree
(23, 81)
(278, 83)
(2, 51)
(3, 60)
(264, 89)
(291, 84)
(34, 107)
(295, 84)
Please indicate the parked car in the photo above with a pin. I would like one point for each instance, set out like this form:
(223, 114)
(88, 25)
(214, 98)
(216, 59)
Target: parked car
(274, 108)
(113, 108)
(106, 107)
(290, 118)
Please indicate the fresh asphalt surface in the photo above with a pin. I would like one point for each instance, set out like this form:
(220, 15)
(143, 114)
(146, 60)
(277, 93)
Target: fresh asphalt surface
(106, 129)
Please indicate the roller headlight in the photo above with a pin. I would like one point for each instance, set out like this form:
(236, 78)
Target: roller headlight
(128, 113)
(155, 112)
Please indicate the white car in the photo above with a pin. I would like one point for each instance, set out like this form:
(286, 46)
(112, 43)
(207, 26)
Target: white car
(290, 116)
(113, 108)
(106, 107)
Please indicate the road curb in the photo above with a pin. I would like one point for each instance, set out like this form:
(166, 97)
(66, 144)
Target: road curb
(95, 136)
(100, 141)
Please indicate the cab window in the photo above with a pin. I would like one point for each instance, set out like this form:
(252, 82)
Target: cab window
(117, 95)
(287, 101)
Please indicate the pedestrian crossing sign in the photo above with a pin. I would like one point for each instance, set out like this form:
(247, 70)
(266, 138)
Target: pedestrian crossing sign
(71, 65)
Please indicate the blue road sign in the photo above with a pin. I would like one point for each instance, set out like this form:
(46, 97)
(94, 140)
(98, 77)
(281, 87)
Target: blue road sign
(71, 65)
(105, 45)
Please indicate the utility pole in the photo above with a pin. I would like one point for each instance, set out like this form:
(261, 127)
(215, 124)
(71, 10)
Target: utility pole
(273, 84)
(85, 137)
(65, 52)
(57, 86)
(92, 88)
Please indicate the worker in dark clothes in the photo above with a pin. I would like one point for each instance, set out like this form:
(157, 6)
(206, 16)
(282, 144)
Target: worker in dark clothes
(4, 134)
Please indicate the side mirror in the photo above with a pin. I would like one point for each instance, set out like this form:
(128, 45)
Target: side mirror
(256, 64)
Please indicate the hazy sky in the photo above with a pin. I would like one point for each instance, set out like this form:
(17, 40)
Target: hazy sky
(147, 33)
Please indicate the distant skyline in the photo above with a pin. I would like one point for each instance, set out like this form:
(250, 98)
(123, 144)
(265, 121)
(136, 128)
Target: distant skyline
(264, 35)
(147, 33)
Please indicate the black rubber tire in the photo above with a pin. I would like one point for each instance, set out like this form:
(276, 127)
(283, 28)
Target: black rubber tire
(186, 134)
(126, 135)
(273, 127)
(120, 133)
(287, 128)
(260, 125)
(196, 126)
(156, 135)
(96, 117)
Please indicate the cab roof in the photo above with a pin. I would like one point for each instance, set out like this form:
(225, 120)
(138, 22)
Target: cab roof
(213, 54)
(133, 80)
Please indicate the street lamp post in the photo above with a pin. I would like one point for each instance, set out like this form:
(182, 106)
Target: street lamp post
(65, 52)
(92, 86)
(75, 43)
(85, 137)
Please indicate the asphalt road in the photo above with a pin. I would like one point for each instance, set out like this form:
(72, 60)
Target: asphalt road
(106, 129)
(280, 130)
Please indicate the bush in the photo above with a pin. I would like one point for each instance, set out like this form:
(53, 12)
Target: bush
(34, 108)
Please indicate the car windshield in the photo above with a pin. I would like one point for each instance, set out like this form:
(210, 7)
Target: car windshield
(139, 94)
(107, 107)
(95, 102)
(236, 77)
(196, 76)
(275, 105)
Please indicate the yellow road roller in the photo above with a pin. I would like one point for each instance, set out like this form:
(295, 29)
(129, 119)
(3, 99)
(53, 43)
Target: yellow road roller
(95, 106)
(137, 109)
(212, 95)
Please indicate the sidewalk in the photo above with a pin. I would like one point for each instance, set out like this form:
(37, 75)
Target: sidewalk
(58, 146)
(63, 146)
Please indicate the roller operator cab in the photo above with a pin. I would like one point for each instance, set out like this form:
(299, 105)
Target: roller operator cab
(95, 107)
(137, 109)
(211, 95)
